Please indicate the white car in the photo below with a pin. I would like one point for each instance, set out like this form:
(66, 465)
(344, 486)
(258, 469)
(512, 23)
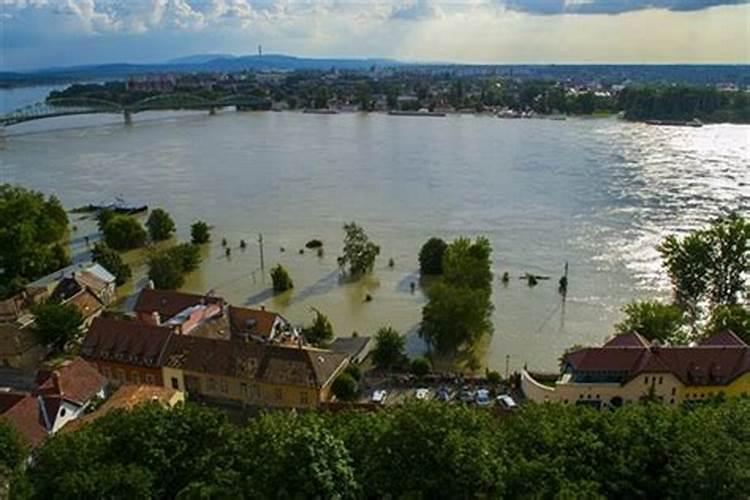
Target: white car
(506, 402)
(482, 397)
(378, 397)
(422, 393)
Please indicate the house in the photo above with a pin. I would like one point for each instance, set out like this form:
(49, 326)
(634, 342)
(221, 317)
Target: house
(62, 395)
(215, 360)
(356, 348)
(127, 352)
(128, 397)
(64, 283)
(628, 368)
(19, 346)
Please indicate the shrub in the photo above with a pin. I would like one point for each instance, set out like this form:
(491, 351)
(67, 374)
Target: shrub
(281, 279)
(124, 233)
(160, 225)
(420, 367)
(199, 233)
(345, 387)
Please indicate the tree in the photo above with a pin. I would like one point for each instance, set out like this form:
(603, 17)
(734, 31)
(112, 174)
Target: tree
(160, 225)
(320, 332)
(165, 271)
(354, 371)
(735, 318)
(652, 319)
(359, 251)
(12, 449)
(57, 324)
(420, 366)
(345, 387)
(103, 216)
(281, 279)
(112, 262)
(30, 235)
(124, 233)
(187, 255)
(709, 264)
(388, 352)
(199, 233)
(454, 317)
(431, 256)
(467, 264)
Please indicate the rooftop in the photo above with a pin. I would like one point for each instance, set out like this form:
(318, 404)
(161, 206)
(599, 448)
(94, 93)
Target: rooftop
(169, 303)
(129, 342)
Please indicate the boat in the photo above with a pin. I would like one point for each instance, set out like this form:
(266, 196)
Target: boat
(421, 112)
(119, 206)
(676, 123)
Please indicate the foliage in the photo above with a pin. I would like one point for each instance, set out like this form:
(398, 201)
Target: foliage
(112, 262)
(418, 450)
(12, 449)
(354, 371)
(709, 264)
(455, 316)
(345, 387)
(681, 102)
(459, 309)
(160, 225)
(314, 243)
(281, 279)
(320, 332)
(187, 255)
(359, 251)
(652, 319)
(103, 216)
(735, 318)
(493, 377)
(30, 231)
(388, 352)
(431, 256)
(420, 366)
(124, 233)
(199, 233)
(165, 271)
(57, 324)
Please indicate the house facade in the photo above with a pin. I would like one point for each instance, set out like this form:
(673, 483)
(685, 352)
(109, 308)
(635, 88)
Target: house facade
(628, 369)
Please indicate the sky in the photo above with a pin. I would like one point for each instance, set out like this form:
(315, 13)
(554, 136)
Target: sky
(44, 33)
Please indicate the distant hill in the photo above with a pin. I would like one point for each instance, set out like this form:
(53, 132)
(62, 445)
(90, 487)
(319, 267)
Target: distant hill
(199, 58)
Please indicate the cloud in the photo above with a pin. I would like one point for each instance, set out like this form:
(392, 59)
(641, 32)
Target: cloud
(416, 10)
(550, 7)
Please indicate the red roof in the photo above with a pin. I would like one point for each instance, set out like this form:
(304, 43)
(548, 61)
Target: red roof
(26, 418)
(168, 303)
(627, 340)
(252, 321)
(725, 338)
(75, 380)
(123, 341)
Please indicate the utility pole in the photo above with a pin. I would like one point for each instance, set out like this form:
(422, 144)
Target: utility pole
(260, 242)
(507, 366)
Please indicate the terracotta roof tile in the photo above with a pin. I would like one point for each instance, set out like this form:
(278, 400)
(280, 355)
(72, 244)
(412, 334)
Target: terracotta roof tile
(725, 338)
(169, 302)
(26, 418)
(252, 321)
(75, 380)
(627, 340)
(125, 341)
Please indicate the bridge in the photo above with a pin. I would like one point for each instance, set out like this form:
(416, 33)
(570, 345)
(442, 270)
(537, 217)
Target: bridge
(84, 106)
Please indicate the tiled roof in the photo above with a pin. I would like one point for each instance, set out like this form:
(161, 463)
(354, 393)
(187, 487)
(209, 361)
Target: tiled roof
(15, 340)
(75, 380)
(123, 341)
(299, 366)
(88, 303)
(725, 338)
(26, 418)
(717, 362)
(627, 340)
(215, 356)
(169, 302)
(252, 321)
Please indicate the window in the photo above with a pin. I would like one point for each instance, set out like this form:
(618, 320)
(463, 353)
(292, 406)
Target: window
(150, 379)
(278, 394)
(224, 385)
(62, 412)
(120, 375)
(645, 380)
(135, 377)
(303, 398)
(175, 383)
(671, 401)
(674, 390)
(661, 379)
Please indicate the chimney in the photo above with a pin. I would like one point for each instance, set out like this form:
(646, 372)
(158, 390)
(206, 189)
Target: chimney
(56, 382)
(156, 318)
(262, 307)
(150, 284)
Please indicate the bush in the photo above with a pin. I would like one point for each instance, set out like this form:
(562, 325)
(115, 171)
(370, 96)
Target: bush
(345, 387)
(281, 279)
(389, 349)
(354, 371)
(160, 225)
(320, 332)
(359, 252)
(494, 377)
(187, 255)
(111, 261)
(165, 271)
(431, 256)
(199, 233)
(420, 367)
(124, 233)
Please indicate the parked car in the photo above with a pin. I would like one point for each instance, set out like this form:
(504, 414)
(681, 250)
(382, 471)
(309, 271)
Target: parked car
(422, 393)
(443, 394)
(378, 397)
(506, 402)
(482, 397)
(466, 395)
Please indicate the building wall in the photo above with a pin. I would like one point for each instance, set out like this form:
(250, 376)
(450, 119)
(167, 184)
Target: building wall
(738, 387)
(121, 373)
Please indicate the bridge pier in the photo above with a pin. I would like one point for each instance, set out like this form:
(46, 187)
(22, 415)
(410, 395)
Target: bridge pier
(212, 111)
(2, 137)
(128, 116)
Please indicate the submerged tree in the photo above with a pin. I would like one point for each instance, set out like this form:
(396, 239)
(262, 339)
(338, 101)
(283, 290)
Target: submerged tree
(124, 233)
(320, 331)
(199, 233)
(431, 256)
(112, 262)
(359, 252)
(281, 279)
(160, 225)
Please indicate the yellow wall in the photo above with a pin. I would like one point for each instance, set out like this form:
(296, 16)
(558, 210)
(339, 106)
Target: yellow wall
(738, 387)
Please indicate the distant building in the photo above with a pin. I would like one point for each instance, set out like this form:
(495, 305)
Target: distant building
(628, 369)
(152, 83)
